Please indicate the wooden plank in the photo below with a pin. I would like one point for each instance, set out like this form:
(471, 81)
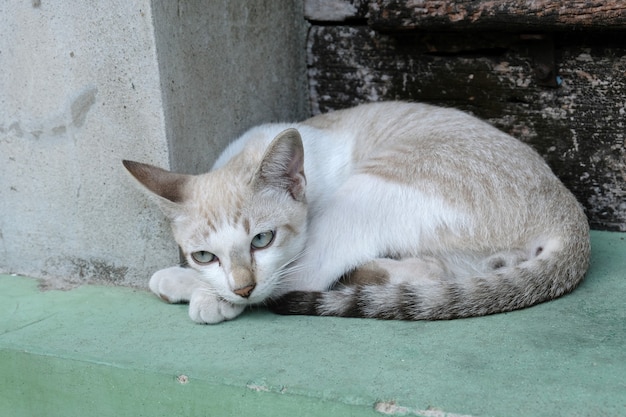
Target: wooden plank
(578, 127)
(497, 15)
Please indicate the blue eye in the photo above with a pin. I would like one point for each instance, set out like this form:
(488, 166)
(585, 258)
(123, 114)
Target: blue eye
(262, 240)
(203, 257)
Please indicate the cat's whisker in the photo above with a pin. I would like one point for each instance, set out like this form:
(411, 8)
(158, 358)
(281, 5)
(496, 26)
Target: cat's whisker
(291, 266)
(289, 274)
(208, 290)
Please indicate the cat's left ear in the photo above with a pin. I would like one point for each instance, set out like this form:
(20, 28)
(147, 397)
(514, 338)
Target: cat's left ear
(282, 166)
(167, 188)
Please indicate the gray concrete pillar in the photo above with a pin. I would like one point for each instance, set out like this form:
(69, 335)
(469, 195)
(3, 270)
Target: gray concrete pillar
(84, 85)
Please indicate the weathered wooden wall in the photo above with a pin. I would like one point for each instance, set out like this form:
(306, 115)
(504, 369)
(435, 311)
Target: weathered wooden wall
(562, 91)
(524, 15)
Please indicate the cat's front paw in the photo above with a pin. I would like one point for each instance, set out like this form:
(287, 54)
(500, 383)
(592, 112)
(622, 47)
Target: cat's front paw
(175, 284)
(208, 308)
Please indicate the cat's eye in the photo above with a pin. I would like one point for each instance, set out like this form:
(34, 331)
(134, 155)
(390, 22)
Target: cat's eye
(262, 240)
(203, 257)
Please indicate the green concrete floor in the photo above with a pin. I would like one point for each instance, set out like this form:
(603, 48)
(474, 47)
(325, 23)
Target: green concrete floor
(102, 351)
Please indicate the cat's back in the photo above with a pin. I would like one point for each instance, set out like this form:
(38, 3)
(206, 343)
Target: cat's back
(406, 142)
(389, 116)
(448, 154)
(388, 124)
(363, 131)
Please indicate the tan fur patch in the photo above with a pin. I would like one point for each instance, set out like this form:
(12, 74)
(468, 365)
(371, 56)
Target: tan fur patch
(368, 274)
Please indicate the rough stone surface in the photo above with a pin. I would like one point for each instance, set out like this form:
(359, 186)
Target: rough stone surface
(335, 10)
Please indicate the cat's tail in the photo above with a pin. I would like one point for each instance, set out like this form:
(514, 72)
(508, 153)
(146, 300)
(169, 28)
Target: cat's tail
(554, 267)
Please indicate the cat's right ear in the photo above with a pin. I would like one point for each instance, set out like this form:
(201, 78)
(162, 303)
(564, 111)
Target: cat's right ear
(168, 187)
(282, 166)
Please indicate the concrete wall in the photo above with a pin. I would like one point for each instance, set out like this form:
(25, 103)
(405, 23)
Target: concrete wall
(86, 84)
(225, 66)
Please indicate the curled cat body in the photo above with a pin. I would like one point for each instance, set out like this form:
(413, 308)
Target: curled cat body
(387, 210)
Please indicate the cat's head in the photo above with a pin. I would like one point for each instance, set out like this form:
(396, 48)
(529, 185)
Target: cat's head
(239, 225)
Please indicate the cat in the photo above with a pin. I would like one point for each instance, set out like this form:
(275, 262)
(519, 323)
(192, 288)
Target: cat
(387, 210)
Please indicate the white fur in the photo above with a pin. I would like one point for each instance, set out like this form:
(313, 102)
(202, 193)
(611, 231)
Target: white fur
(365, 219)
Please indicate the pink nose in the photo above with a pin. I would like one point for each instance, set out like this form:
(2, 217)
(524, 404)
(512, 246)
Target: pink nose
(244, 291)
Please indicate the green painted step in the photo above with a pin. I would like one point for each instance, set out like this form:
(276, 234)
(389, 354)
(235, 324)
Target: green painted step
(110, 351)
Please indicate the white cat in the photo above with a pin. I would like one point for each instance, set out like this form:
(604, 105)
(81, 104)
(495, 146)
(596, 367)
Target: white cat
(388, 210)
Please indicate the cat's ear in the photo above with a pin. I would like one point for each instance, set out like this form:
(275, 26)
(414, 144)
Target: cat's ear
(168, 187)
(282, 166)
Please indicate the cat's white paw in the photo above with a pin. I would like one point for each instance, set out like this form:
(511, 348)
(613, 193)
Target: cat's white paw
(208, 308)
(175, 284)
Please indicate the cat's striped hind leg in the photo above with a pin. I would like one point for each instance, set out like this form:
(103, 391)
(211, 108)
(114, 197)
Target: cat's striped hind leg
(347, 298)
(432, 288)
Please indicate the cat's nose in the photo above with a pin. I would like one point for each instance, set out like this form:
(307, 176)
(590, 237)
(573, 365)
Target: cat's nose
(244, 291)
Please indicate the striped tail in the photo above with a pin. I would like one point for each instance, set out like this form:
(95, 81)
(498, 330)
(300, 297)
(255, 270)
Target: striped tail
(536, 280)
